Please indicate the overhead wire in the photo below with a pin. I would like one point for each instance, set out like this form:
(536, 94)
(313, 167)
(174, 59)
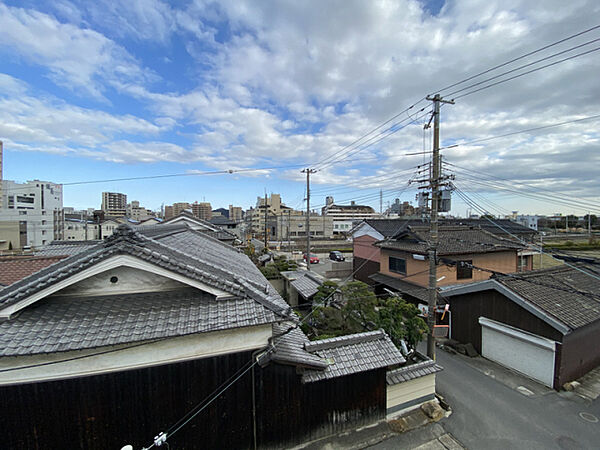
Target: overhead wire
(517, 58)
(234, 378)
(545, 58)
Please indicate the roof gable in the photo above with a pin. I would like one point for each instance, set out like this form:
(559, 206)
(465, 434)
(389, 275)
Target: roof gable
(128, 247)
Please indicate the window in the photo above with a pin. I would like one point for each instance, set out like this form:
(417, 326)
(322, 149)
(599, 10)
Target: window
(464, 270)
(397, 265)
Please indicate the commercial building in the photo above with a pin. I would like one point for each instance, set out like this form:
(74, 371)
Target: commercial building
(114, 204)
(345, 215)
(37, 204)
(137, 212)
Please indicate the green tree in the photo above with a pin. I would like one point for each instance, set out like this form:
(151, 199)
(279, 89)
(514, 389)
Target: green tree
(360, 303)
(401, 321)
(325, 293)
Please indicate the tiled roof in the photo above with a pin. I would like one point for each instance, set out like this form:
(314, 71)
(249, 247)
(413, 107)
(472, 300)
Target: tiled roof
(191, 254)
(69, 323)
(404, 287)
(413, 371)
(565, 293)
(15, 268)
(347, 355)
(388, 227)
(307, 285)
(289, 347)
(452, 241)
(65, 248)
(501, 227)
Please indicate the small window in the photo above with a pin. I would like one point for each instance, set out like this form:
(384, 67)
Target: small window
(464, 270)
(397, 265)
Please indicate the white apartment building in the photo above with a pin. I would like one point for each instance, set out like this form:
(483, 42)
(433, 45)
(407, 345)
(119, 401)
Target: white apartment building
(37, 203)
(345, 215)
(114, 204)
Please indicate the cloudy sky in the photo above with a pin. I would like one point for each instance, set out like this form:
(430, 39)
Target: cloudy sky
(106, 90)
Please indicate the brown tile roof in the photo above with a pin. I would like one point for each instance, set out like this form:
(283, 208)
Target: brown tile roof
(15, 268)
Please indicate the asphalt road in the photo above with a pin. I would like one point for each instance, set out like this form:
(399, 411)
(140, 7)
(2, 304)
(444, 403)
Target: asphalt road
(488, 414)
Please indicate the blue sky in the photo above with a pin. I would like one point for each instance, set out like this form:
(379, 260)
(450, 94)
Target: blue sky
(103, 90)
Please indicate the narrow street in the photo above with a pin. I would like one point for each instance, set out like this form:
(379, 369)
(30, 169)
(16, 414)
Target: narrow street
(488, 414)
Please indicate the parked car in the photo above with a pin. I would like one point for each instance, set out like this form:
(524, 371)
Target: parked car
(336, 256)
(314, 259)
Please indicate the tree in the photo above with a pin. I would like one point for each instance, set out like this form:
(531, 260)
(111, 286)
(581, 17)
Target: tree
(325, 293)
(401, 321)
(360, 305)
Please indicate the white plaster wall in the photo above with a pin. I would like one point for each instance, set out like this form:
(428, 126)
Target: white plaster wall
(171, 350)
(130, 280)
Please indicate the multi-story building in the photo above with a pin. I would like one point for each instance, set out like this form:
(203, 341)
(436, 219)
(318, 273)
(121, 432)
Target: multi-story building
(292, 227)
(202, 210)
(114, 204)
(235, 213)
(38, 204)
(137, 212)
(255, 217)
(345, 215)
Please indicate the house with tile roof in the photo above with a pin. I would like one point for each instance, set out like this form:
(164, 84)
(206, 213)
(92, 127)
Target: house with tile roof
(544, 323)
(120, 339)
(464, 254)
(367, 255)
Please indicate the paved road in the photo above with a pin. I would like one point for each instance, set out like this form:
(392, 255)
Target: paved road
(487, 414)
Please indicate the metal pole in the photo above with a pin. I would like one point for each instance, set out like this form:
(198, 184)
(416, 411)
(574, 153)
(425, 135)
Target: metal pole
(266, 212)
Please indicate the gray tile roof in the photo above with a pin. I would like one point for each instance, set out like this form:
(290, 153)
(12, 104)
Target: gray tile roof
(189, 253)
(412, 371)
(347, 355)
(68, 323)
(565, 293)
(501, 227)
(65, 248)
(307, 285)
(452, 241)
(289, 347)
(403, 287)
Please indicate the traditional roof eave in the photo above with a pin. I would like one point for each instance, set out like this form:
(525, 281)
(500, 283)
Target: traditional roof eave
(492, 284)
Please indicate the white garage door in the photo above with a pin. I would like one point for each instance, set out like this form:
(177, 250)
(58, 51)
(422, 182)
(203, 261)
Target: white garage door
(519, 350)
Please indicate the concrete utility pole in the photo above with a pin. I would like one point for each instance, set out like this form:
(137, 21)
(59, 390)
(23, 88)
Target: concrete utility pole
(380, 201)
(434, 183)
(308, 171)
(266, 212)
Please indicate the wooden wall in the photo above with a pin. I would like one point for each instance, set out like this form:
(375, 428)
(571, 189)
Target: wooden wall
(131, 407)
(580, 353)
(467, 308)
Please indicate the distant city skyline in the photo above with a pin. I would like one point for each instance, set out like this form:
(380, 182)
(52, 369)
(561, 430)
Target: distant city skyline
(138, 89)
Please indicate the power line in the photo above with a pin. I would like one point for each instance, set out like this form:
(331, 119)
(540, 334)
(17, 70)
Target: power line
(477, 207)
(234, 378)
(520, 132)
(391, 132)
(525, 66)
(369, 133)
(518, 58)
(528, 72)
(546, 192)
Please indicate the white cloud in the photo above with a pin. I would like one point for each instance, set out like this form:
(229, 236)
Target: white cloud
(79, 58)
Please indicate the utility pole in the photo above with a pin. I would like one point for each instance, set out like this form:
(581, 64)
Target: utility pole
(266, 212)
(380, 201)
(590, 223)
(308, 171)
(434, 183)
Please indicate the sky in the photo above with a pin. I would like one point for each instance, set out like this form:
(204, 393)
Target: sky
(105, 90)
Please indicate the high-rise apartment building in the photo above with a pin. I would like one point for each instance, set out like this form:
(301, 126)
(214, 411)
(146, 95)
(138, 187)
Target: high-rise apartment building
(36, 207)
(202, 210)
(235, 213)
(114, 204)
